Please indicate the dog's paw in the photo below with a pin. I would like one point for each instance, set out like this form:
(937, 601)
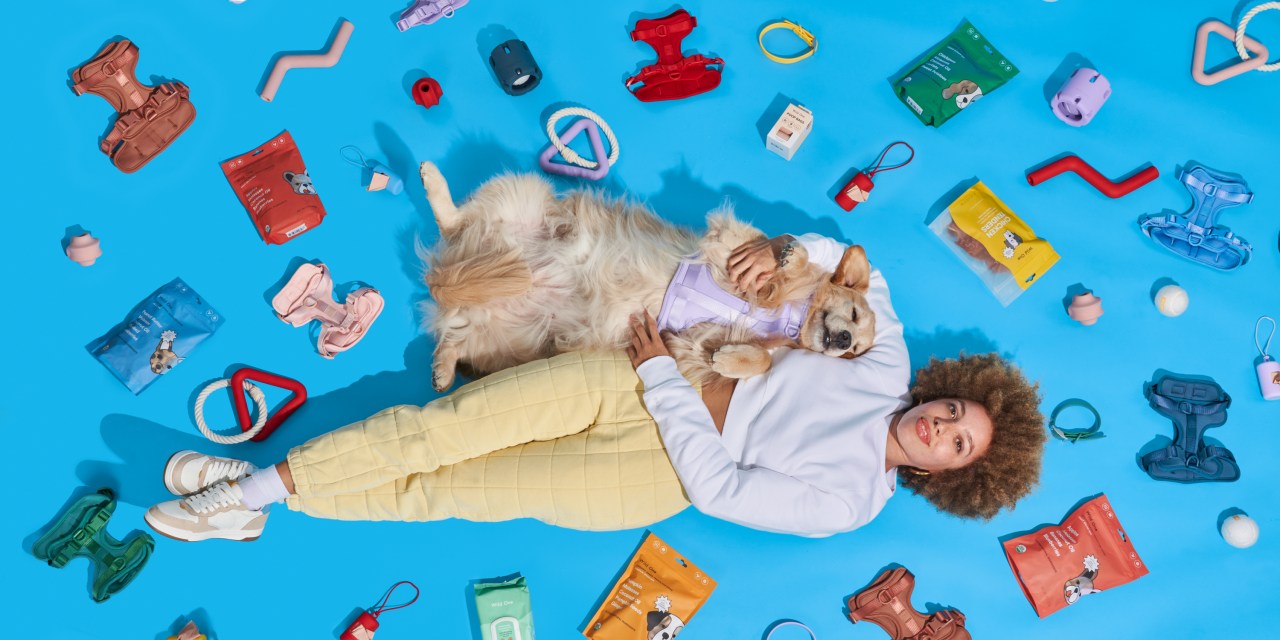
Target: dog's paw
(442, 377)
(740, 361)
(431, 176)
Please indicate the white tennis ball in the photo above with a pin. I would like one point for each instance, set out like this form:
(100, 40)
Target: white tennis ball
(1240, 531)
(1172, 300)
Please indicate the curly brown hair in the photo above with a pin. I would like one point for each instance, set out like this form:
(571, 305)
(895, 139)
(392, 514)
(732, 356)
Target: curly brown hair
(1011, 466)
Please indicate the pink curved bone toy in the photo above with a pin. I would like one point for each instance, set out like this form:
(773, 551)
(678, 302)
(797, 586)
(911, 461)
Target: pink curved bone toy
(311, 60)
(1100, 182)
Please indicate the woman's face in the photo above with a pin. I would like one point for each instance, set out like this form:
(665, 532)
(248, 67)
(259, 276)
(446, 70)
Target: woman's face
(947, 433)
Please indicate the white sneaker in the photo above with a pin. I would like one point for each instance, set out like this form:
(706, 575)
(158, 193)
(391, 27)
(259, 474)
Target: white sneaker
(215, 512)
(188, 472)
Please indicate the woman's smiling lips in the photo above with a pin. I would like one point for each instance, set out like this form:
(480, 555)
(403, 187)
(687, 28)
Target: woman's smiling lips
(922, 430)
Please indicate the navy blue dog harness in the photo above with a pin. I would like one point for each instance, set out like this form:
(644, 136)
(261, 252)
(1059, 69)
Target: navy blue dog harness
(1194, 406)
(1193, 235)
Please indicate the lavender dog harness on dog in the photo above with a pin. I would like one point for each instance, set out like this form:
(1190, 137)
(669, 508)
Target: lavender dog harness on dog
(693, 297)
(1193, 235)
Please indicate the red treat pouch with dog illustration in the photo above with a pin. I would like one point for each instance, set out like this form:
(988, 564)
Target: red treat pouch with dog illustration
(1089, 552)
(274, 187)
(654, 598)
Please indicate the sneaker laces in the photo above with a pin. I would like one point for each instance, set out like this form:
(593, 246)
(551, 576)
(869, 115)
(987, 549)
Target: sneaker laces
(215, 497)
(226, 468)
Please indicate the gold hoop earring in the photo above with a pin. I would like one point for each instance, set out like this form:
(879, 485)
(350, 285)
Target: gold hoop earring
(916, 472)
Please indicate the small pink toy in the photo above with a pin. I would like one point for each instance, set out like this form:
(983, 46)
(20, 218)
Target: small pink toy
(1202, 40)
(84, 249)
(1080, 97)
(1085, 308)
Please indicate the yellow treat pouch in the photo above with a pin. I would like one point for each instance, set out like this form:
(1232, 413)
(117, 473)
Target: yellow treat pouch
(654, 598)
(994, 242)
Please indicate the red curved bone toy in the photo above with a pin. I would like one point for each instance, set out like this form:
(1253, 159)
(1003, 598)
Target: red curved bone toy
(1100, 182)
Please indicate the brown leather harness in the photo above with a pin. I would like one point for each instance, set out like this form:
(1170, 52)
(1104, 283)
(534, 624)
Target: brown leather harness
(150, 117)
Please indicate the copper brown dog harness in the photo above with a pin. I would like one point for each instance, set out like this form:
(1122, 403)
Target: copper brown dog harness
(150, 117)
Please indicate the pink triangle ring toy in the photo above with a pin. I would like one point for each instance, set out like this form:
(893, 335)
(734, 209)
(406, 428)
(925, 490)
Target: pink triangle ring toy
(575, 165)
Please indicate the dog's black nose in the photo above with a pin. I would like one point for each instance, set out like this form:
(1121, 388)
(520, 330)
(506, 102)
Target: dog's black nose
(842, 340)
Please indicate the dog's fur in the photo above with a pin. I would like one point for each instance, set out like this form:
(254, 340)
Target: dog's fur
(519, 274)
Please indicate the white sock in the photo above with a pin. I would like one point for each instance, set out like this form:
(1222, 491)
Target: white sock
(262, 488)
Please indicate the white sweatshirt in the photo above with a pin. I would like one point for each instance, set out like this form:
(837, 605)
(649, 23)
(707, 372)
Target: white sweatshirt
(803, 449)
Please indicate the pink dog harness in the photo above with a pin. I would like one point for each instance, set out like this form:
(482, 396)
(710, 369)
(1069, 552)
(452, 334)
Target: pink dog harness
(694, 297)
(309, 296)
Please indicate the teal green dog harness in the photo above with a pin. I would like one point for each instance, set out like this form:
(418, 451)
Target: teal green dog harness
(80, 531)
(1194, 235)
(1194, 406)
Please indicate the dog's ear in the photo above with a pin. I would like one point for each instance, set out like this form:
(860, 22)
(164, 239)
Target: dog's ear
(853, 271)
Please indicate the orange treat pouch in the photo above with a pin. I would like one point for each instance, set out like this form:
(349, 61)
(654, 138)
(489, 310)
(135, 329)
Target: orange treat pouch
(1088, 553)
(273, 185)
(654, 598)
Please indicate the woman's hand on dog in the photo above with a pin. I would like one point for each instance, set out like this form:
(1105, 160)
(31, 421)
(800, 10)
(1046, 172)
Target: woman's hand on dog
(751, 264)
(645, 341)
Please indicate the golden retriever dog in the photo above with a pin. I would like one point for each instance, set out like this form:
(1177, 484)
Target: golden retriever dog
(519, 274)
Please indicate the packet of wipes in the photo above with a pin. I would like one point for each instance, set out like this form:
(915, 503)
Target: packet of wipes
(953, 74)
(994, 242)
(158, 334)
(503, 609)
(654, 598)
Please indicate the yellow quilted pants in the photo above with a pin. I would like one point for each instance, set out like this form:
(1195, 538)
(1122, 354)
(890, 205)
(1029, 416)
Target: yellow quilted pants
(566, 440)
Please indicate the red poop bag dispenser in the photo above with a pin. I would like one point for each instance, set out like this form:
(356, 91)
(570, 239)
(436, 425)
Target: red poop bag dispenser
(367, 622)
(273, 185)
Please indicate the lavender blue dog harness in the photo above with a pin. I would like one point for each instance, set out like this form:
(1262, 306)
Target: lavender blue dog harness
(1193, 235)
(693, 297)
(423, 12)
(1194, 406)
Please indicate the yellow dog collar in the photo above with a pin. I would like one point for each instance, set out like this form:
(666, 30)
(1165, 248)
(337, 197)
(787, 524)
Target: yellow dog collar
(796, 29)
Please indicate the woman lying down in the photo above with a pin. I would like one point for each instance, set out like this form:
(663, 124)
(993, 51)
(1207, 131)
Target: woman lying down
(601, 441)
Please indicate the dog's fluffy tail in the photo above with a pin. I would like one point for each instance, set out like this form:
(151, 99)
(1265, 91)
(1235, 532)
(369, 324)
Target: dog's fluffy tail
(478, 279)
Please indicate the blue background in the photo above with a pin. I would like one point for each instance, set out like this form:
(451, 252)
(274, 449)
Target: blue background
(69, 426)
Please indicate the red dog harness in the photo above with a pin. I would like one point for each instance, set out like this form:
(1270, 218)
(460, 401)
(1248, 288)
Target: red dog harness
(674, 76)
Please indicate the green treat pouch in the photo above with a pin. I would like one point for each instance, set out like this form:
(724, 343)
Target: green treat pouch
(953, 75)
(503, 609)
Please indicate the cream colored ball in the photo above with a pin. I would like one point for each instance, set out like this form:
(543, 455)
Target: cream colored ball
(1240, 531)
(1172, 300)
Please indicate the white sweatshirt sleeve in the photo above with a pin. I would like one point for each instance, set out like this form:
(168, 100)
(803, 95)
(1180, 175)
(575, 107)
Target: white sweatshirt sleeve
(755, 497)
(823, 251)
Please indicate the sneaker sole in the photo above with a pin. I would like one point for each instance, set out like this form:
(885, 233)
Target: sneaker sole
(206, 536)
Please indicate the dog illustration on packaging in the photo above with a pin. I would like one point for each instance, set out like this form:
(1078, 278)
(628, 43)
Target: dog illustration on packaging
(965, 92)
(520, 274)
(1082, 585)
(662, 624)
(163, 358)
(300, 183)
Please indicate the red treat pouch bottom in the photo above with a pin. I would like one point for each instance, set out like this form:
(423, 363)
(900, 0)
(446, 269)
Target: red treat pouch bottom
(274, 187)
(1089, 552)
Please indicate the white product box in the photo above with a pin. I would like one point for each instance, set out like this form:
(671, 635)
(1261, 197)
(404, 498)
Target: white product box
(789, 131)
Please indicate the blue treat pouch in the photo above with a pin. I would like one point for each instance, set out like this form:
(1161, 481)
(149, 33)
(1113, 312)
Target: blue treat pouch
(158, 334)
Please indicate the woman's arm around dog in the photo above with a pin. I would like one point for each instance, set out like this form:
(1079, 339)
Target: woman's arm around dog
(757, 497)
